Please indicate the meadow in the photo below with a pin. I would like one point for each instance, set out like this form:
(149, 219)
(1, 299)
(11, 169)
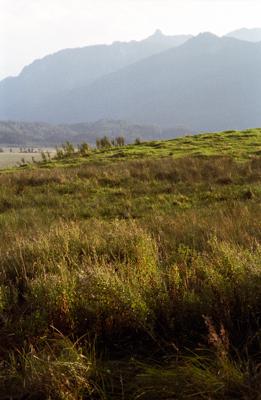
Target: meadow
(133, 272)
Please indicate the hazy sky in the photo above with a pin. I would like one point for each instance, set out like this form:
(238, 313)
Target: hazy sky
(30, 29)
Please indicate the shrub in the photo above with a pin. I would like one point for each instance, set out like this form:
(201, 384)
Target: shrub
(103, 143)
(68, 149)
(120, 141)
(84, 149)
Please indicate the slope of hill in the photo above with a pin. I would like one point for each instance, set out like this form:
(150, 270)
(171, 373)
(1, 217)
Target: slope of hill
(250, 35)
(128, 276)
(240, 145)
(71, 68)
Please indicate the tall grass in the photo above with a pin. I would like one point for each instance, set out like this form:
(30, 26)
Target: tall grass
(156, 262)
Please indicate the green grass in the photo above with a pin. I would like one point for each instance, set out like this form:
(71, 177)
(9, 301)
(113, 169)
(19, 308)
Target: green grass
(240, 145)
(133, 273)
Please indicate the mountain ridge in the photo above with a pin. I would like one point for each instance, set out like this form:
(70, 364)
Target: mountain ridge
(189, 85)
(82, 103)
(251, 35)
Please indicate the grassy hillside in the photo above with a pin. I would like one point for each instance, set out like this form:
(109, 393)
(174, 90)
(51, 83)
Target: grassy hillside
(240, 145)
(134, 272)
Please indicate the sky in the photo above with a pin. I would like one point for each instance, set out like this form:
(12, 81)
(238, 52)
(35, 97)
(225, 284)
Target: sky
(31, 29)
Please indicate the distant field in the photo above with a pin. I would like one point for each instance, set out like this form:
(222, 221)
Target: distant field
(12, 159)
(8, 159)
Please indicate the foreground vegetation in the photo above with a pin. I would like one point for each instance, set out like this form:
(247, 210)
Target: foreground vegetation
(133, 273)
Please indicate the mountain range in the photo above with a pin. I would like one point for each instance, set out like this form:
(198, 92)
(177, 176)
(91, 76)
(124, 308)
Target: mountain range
(56, 75)
(204, 82)
(249, 35)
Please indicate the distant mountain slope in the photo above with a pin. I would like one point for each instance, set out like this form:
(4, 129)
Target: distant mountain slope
(13, 133)
(250, 35)
(209, 83)
(36, 134)
(72, 68)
